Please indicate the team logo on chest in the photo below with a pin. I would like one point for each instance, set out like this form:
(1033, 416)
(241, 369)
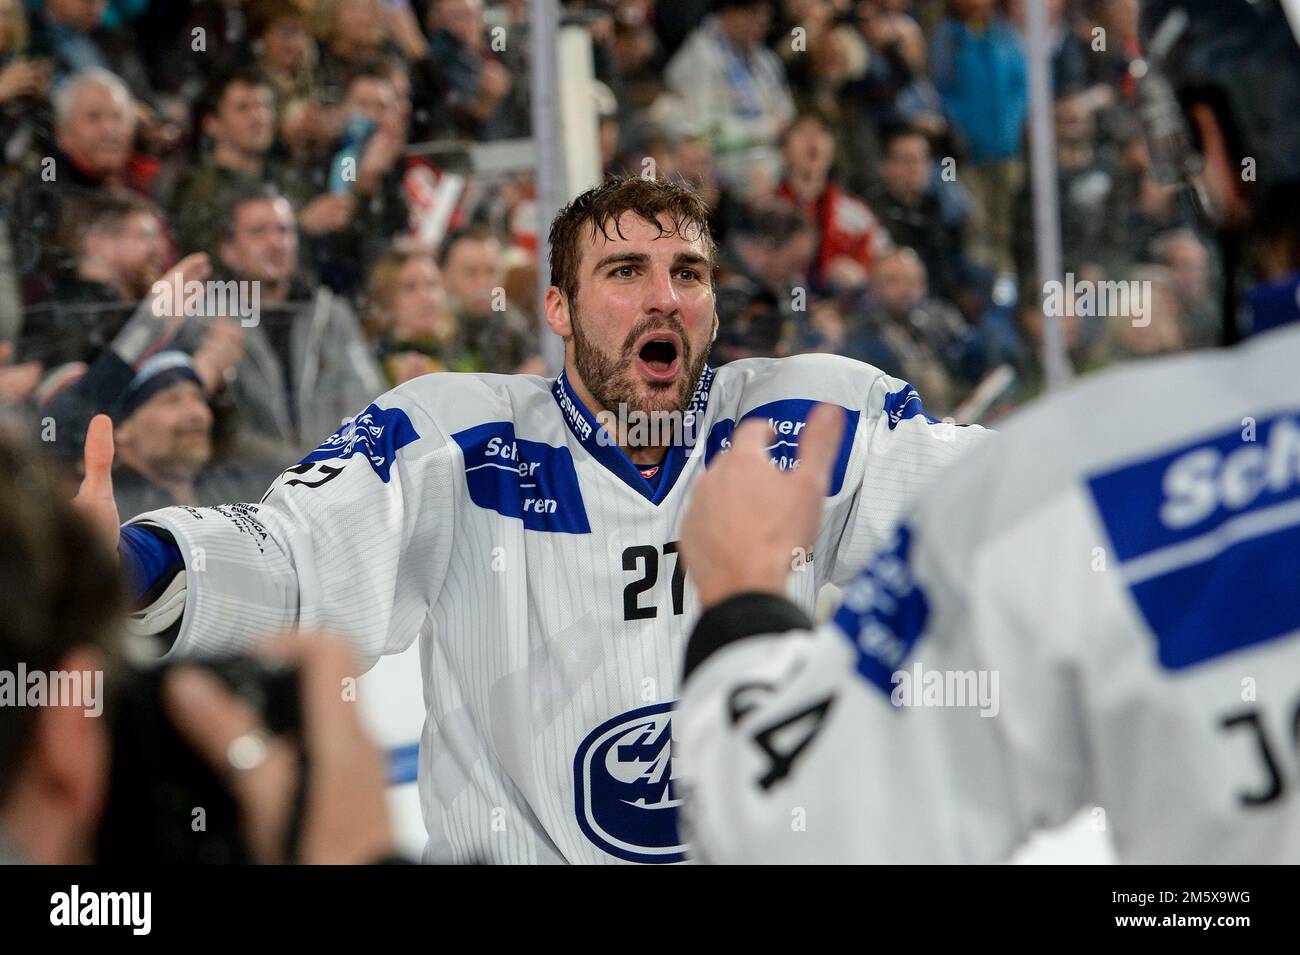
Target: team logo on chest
(623, 786)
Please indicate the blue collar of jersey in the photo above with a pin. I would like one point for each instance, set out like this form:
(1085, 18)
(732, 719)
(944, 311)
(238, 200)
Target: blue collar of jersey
(598, 442)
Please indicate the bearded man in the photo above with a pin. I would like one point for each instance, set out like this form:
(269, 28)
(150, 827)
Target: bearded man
(525, 529)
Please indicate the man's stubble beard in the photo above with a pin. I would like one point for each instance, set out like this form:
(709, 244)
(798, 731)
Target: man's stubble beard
(609, 381)
(185, 461)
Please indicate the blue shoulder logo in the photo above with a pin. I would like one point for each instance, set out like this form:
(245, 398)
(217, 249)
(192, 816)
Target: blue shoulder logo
(623, 786)
(787, 418)
(903, 404)
(378, 433)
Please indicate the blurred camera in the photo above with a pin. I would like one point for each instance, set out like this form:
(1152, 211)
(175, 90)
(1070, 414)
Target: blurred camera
(166, 805)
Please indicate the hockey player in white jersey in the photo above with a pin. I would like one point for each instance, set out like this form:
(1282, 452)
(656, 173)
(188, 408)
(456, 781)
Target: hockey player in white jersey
(1101, 608)
(532, 549)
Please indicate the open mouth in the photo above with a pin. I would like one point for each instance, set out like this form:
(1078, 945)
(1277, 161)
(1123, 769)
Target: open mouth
(659, 356)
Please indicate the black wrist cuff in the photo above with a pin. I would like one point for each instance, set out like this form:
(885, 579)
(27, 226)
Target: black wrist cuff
(738, 617)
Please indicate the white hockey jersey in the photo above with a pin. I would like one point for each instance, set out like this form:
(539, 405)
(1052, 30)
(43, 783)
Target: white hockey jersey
(491, 517)
(1101, 609)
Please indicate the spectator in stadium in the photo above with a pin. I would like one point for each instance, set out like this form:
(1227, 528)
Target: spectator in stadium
(695, 163)
(372, 96)
(1186, 256)
(285, 50)
(979, 69)
(237, 117)
(94, 131)
(773, 246)
(827, 330)
(493, 335)
(364, 207)
(1154, 324)
(849, 237)
(474, 82)
(1092, 223)
(74, 391)
(354, 36)
(24, 87)
(162, 437)
(73, 32)
(893, 87)
(896, 85)
(409, 318)
(607, 129)
(306, 365)
(828, 58)
(1091, 233)
(750, 323)
(94, 124)
(731, 84)
(912, 208)
(636, 54)
(931, 344)
(118, 251)
(119, 248)
(1145, 204)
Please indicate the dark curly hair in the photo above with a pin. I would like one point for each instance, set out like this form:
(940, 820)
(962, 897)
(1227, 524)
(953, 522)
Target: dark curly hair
(599, 208)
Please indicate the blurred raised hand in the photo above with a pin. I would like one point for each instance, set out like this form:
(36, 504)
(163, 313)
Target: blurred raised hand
(17, 382)
(221, 350)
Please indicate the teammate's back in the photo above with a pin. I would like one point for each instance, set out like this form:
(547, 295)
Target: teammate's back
(1101, 608)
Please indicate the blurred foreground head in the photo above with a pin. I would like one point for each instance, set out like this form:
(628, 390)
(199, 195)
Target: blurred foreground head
(57, 630)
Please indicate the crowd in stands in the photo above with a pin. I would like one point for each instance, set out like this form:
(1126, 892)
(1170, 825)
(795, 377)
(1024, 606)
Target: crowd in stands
(865, 161)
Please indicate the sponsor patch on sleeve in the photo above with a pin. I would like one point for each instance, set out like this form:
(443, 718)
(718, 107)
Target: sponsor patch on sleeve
(788, 417)
(378, 433)
(903, 404)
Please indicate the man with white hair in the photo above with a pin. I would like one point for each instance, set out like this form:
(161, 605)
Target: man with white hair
(94, 131)
(94, 121)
